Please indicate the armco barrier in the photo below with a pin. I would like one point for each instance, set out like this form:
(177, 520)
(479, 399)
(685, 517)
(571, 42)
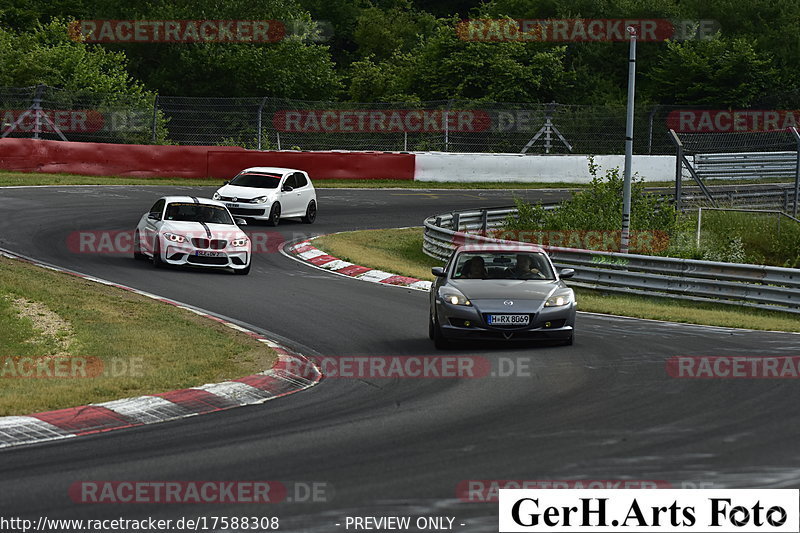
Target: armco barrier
(149, 161)
(686, 279)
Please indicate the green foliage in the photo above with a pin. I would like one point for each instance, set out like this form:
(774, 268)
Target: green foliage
(715, 72)
(48, 56)
(384, 32)
(598, 207)
(446, 67)
(408, 50)
(738, 237)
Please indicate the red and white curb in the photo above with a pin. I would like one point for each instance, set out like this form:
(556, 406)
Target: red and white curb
(291, 373)
(307, 252)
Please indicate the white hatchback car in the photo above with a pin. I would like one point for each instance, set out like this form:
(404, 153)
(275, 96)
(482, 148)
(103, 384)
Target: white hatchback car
(270, 193)
(185, 230)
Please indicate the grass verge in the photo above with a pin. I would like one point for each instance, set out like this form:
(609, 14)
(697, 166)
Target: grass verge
(400, 251)
(105, 343)
(33, 178)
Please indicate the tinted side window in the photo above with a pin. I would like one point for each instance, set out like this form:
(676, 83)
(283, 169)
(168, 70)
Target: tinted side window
(301, 179)
(290, 182)
(158, 207)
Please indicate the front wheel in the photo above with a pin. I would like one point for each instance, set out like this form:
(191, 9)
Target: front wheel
(157, 261)
(274, 214)
(242, 271)
(311, 213)
(137, 247)
(439, 340)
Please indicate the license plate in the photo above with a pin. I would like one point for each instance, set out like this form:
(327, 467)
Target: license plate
(509, 320)
(204, 253)
(231, 205)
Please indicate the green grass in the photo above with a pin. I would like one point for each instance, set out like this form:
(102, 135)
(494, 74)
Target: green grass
(170, 348)
(33, 178)
(400, 251)
(763, 239)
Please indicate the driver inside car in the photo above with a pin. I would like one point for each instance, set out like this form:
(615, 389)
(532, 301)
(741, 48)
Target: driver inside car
(524, 268)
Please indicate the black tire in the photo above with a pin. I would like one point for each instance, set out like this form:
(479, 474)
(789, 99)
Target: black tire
(570, 341)
(439, 340)
(242, 271)
(430, 327)
(274, 214)
(157, 261)
(311, 213)
(137, 248)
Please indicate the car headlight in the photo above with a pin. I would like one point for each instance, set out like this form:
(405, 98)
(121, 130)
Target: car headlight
(559, 300)
(174, 237)
(453, 296)
(216, 196)
(260, 200)
(239, 242)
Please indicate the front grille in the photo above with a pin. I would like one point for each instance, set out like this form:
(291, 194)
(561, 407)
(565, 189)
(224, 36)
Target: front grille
(246, 212)
(214, 244)
(202, 260)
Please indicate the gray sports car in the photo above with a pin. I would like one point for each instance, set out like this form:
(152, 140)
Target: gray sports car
(505, 292)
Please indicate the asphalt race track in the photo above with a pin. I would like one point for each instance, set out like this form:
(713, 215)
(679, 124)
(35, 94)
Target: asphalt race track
(603, 409)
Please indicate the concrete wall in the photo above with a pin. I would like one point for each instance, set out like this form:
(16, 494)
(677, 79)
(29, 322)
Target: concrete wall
(440, 166)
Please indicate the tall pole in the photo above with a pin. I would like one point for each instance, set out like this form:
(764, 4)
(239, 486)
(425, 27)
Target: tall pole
(626, 187)
(796, 173)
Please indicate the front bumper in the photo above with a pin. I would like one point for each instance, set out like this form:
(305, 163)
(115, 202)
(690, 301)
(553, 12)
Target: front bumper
(255, 211)
(185, 254)
(465, 322)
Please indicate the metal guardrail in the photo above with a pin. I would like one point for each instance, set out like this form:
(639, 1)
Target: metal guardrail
(780, 197)
(759, 286)
(746, 165)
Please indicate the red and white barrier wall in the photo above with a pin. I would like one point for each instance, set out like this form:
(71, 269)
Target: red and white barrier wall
(149, 161)
(101, 159)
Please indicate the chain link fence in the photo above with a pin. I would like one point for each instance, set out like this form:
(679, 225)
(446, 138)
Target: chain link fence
(446, 125)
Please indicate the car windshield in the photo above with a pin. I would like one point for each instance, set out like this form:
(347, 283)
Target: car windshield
(191, 212)
(503, 265)
(259, 181)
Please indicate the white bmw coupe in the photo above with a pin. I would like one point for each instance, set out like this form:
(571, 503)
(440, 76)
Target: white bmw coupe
(185, 230)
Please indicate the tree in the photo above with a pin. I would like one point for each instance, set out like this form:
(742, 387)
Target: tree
(446, 67)
(721, 72)
(49, 56)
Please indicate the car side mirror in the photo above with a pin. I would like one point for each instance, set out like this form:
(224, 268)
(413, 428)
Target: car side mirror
(566, 273)
(438, 272)
(287, 188)
(240, 221)
(225, 182)
(154, 216)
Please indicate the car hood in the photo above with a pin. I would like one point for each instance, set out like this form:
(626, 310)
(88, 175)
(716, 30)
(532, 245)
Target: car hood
(196, 229)
(244, 193)
(498, 289)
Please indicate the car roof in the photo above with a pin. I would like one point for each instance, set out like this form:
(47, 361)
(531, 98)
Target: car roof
(521, 248)
(191, 199)
(271, 170)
